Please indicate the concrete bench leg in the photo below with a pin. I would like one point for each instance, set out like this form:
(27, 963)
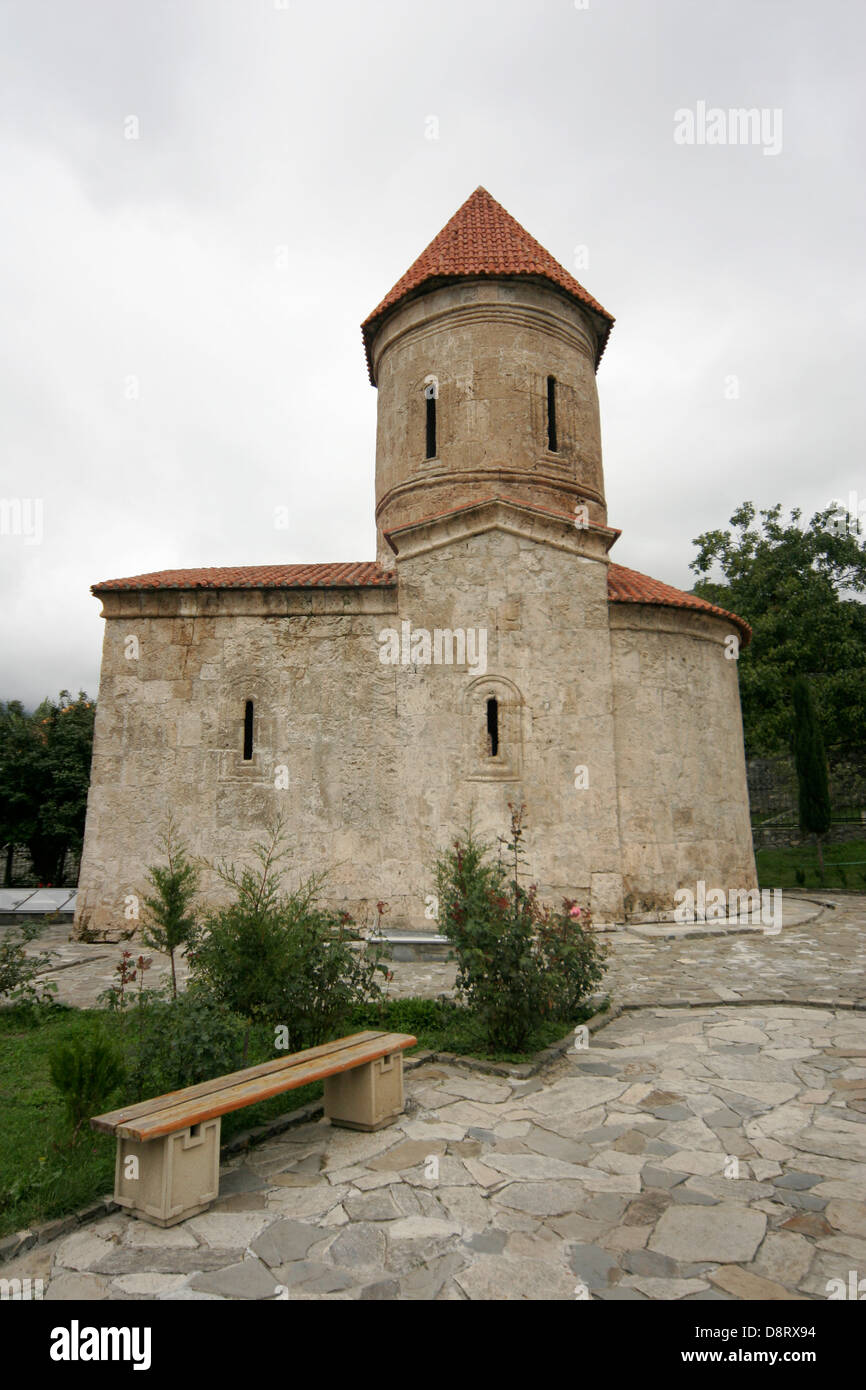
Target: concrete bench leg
(367, 1097)
(166, 1180)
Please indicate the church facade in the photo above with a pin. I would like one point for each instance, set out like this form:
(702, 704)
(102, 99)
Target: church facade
(491, 654)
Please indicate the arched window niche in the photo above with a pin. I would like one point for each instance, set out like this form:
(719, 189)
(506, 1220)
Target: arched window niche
(245, 728)
(492, 730)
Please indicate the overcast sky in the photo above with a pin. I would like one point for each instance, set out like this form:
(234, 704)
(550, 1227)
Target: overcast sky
(180, 350)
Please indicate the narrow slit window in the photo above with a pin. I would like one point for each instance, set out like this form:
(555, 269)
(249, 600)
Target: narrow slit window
(248, 731)
(431, 424)
(493, 728)
(551, 414)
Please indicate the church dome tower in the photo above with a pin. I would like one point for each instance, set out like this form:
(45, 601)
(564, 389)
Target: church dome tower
(484, 355)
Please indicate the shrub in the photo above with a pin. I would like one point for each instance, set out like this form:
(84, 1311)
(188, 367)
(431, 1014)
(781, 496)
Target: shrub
(492, 936)
(281, 958)
(185, 1041)
(570, 958)
(18, 970)
(402, 1015)
(518, 962)
(86, 1071)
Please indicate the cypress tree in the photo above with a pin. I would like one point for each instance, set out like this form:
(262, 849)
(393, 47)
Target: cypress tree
(812, 780)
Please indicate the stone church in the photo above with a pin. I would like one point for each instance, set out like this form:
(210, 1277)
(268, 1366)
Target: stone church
(492, 653)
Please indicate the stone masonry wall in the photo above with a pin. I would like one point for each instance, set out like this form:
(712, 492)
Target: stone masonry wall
(169, 737)
(681, 777)
(548, 665)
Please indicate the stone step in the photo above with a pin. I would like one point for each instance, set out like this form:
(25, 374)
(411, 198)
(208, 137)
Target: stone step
(408, 945)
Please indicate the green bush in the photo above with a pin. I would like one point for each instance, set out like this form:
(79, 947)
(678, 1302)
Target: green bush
(86, 1072)
(570, 959)
(492, 936)
(517, 961)
(415, 1016)
(185, 1041)
(281, 958)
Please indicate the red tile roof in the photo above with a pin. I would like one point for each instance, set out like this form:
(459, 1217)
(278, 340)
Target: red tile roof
(482, 239)
(366, 574)
(628, 586)
(623, 585)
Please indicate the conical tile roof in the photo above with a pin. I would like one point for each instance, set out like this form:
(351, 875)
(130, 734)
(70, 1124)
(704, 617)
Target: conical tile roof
(482, 239)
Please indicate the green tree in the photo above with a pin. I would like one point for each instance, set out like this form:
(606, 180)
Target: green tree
(797, 586)
(44, 777)
(169, 923)
(811, 763)
(69, 749)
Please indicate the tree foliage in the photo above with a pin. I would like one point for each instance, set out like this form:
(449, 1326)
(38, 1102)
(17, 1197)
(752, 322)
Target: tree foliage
(797, 586)
(811, 762)
(44, 776)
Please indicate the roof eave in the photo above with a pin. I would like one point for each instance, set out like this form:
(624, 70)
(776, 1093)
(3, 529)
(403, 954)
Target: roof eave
(601, 319)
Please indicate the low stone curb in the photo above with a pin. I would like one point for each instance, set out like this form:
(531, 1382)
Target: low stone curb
(250, 1137)
(723, 928)
(20, 1241)
(752, 1001)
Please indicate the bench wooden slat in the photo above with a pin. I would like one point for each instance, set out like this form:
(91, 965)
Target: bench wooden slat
(239, 1089)
(107, 1124)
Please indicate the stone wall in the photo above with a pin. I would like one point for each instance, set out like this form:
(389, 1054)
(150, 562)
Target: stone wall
(541, 593)
(683, 800)
(169, 737)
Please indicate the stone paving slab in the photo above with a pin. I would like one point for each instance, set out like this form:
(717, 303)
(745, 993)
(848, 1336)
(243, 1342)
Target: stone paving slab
(676, 1173)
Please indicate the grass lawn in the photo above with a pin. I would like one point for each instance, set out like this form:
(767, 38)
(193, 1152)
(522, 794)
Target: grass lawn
(777, 868)
(43, 1176)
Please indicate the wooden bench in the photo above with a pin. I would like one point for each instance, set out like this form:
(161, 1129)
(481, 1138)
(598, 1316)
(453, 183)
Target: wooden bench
(168, 1149)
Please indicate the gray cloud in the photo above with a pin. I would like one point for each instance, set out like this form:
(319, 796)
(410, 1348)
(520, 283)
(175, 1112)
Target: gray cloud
(220, 265)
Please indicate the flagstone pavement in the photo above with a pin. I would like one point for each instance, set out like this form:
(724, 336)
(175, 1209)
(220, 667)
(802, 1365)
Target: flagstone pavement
(716, 1151)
